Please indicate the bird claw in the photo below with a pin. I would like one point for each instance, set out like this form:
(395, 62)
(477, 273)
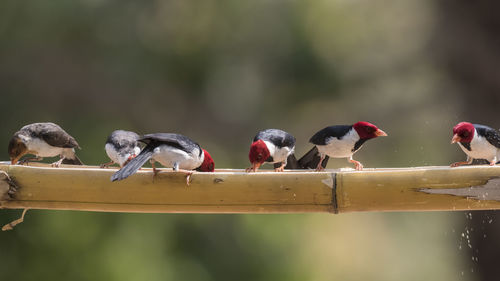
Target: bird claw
(359, 167)
(457, 164)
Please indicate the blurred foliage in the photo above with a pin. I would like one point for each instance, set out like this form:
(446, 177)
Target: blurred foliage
(218, 71)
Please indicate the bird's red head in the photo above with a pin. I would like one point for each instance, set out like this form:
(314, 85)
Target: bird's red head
(208, 164)
(367, 130)
(463, 132)
(258, 152)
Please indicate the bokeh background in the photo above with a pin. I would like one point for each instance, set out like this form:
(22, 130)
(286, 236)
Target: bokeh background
(219, 71)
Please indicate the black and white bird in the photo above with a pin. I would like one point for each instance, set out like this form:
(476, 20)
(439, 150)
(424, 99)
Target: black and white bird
(43, 140)
(172, 151)
(340, 141)
(121, 146)
(271, 146)
(478, 142)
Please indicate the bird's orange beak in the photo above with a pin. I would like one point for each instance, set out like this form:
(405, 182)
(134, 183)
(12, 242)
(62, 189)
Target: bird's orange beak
(380, 133)
(456, 139)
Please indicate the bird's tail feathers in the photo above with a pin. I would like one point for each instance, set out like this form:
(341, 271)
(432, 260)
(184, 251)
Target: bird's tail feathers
(135, 164)
(311, 159)
(291, 162)
(72, 161)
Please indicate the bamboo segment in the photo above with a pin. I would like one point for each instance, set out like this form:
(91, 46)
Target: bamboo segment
(420, 189)
(222, 192)
(89, 188)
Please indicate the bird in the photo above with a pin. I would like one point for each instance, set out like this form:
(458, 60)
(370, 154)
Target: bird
(338, 141)
(121, 146)
(43, 140)
(477, 141)
(172, 151)
(271, 146)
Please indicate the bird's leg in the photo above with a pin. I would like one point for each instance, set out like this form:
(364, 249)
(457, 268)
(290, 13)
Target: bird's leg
(25, 161)
(106, 165)
(320, 167)
(187, 173)
(57, 163)
(468, 162)
(493, 162)
(155, 171)
(254, 168)
(358, 165)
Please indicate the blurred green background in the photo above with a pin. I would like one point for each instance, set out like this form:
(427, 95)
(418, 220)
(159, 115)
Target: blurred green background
(219, 71)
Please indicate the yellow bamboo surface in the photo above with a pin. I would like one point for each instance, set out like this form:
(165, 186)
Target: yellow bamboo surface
(90, 188)
(234, 191)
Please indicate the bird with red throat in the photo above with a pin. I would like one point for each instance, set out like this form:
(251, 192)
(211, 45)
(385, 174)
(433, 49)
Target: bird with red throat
(477, 141)
(271, 146)
(339, 141)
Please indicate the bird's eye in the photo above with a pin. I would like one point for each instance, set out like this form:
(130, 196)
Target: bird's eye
(465, 134)
(370, 130)
(259, 157)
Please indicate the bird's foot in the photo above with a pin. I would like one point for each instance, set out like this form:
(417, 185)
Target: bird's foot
(357, 165)
(493, 163)
(187, 173)
(280, 168)
(106, 165)
(319, 168)
(57, 164)
(457, 164)
(254, 168)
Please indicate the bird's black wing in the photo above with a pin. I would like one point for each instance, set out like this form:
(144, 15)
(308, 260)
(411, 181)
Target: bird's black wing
(278, 137)
(175, 140)
(338, 131)
(491, 135)
(51, 134)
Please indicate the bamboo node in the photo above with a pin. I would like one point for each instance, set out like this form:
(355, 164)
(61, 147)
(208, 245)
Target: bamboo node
(8, 188)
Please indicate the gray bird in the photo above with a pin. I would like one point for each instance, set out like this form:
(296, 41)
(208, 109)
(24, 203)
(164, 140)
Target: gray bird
(121, 147)
(43, 140)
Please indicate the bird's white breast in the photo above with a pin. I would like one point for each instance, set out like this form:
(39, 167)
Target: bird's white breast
(342, 148)
(41, 148)
(480, 148)
(279, 154)
(168, 156)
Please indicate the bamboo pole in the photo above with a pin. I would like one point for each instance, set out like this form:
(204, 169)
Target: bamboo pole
(88, 188)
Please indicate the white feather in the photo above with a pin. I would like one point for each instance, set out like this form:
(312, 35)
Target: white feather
(481, 149)
(279, 154)
(168, 156)
(342, 148)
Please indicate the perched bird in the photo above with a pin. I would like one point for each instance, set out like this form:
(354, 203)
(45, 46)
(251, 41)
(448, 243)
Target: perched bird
(43, 140)
(171, 150)
(271, 146)
(121, 146)
(340, 141)
(477, 141)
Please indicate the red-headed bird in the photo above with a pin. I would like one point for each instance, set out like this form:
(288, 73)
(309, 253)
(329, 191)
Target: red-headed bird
(477, 141)
(121, 146)
(271, 146)
(43, 140)
(172, 151)
(340, 141)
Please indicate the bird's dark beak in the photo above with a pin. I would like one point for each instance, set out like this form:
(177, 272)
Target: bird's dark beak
(380, 133)
(456, 139)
